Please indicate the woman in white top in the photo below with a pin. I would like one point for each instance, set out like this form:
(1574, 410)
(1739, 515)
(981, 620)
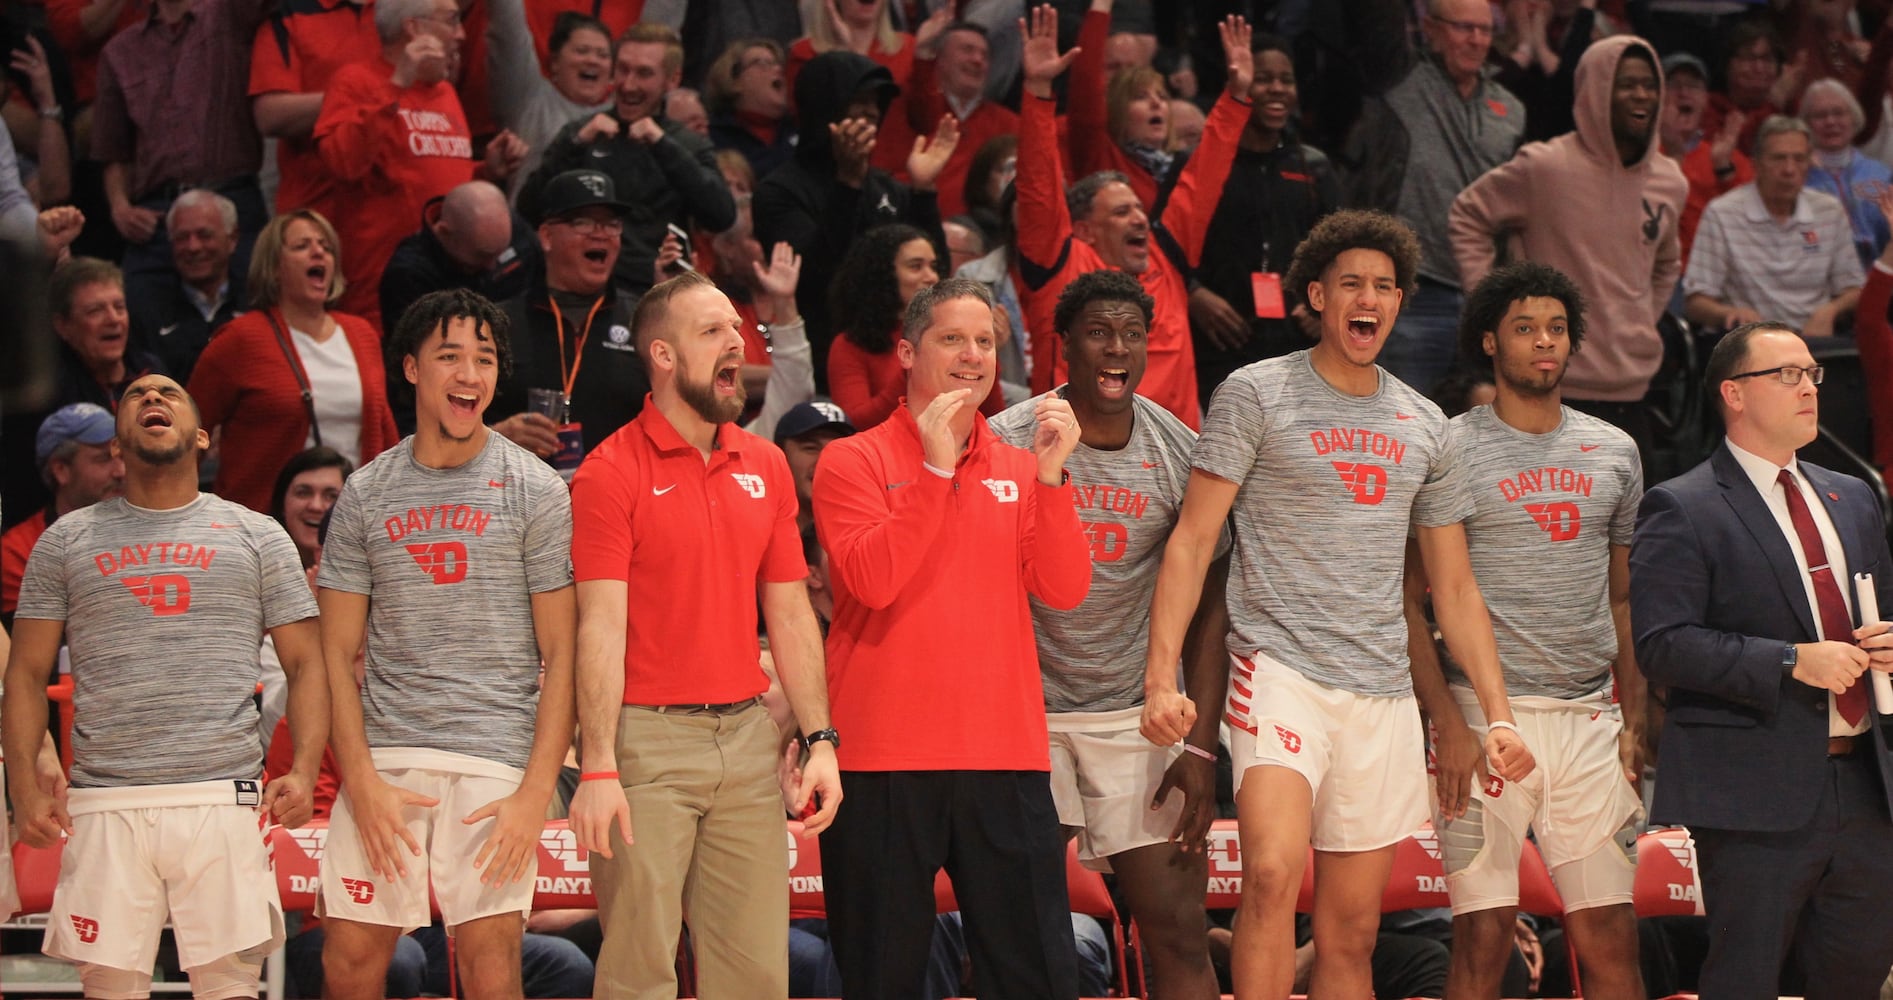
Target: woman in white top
(291, 374)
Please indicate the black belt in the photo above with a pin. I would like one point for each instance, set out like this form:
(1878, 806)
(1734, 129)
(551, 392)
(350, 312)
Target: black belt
(169, 190)
(700, 708)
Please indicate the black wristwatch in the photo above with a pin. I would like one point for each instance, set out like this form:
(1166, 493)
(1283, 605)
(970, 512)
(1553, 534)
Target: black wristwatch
(1790, 656)
(819, 736)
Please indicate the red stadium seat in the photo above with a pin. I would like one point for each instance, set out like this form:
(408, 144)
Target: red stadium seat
(1668, 884)
(1090, 897)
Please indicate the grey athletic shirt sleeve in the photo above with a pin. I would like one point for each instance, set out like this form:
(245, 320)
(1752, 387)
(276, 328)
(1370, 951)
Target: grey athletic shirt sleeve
(1548, 508)
(1091, 658)
(1329, 486)
(450, 559)
(163, 612)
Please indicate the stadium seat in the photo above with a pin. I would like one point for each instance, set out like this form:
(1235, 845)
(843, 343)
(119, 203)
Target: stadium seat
(1668, 884)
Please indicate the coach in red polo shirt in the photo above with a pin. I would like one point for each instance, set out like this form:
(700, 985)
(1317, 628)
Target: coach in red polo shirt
(683, 520)
(936, 531)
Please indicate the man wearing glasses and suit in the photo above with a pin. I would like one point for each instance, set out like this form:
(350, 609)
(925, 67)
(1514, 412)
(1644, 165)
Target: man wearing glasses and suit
(1742, 601)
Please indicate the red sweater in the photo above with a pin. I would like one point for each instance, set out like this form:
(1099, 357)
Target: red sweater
(900, 62)
(1699, 169)
(917, 111)
(869, 387)
(244, 384)
(931, 660)
(1050, 258)
(389, 151)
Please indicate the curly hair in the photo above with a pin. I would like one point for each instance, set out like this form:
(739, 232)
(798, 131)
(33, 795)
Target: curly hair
(864, 297)
(1488, 301)
(435, 309)
(1099, 286)
(1355, 229)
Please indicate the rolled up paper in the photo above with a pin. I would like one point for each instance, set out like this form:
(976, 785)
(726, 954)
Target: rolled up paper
(1868, 604)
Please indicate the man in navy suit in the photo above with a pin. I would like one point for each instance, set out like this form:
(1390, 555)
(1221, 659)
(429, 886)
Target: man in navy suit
(1742, 602)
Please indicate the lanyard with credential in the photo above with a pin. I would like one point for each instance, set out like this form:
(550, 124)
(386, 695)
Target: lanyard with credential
(570, 378)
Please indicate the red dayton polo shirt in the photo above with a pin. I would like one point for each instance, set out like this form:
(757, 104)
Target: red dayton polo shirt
(692, 540)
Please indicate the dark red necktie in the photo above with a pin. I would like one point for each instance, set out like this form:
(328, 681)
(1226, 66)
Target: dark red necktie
(1836, 623)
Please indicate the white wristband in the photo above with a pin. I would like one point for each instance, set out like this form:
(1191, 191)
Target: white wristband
(1193, 749)
(1501, 724)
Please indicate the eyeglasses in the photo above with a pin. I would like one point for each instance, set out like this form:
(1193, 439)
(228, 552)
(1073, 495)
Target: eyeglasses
(449, 18)
(746, 65)
(1462, 27)
(1788, 374)
(587, 226)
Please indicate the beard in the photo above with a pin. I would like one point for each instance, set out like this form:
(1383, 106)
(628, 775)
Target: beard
(702, 397)
(153, 455)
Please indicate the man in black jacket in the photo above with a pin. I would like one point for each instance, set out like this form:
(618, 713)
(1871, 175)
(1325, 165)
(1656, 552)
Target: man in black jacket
(572, 327)
(821, 200)
(665, 173)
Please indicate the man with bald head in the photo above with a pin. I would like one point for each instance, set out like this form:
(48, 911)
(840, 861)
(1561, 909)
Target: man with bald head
(469, 238)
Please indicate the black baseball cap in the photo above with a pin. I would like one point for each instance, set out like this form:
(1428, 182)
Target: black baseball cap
(813, 415)
(579, 189)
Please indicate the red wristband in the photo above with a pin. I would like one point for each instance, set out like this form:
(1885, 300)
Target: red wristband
(598, 776)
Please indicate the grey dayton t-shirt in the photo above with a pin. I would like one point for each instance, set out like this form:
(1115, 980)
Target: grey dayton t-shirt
(164, 610)
(1548, 507)
(1330, 484)
(1092, 657)
(450, 559)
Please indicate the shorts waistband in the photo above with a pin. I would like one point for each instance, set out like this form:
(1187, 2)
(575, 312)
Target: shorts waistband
(446, 761)
(1465, 696)
(230, 792)
(1094, 722)
(698, 708)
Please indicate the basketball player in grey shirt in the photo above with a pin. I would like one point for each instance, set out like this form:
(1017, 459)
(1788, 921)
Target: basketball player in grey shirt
(1327, 463)
(162, 596)
(451, 554)
(1555, 496)
(1138, 810)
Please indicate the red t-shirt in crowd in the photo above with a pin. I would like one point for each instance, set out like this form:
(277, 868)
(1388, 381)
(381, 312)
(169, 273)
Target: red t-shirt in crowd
(297, 51)
(691, 540)
(389, 151)
(82, 55)
(931, 659)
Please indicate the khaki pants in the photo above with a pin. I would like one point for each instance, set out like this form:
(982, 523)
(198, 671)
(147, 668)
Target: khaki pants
(710, 848)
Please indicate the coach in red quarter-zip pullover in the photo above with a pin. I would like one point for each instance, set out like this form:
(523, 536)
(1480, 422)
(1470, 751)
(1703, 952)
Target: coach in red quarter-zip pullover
(935, 531)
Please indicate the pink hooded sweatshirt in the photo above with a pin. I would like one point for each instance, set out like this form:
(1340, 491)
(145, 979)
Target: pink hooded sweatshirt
(1571, 203)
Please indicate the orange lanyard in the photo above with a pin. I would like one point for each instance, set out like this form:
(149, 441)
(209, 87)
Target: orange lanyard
(578, 347)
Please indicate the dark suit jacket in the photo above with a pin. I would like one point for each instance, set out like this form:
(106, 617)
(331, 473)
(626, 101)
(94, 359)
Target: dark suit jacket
(1715, 594)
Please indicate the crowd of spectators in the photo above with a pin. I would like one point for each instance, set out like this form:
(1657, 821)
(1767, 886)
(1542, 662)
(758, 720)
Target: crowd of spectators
(246, 195)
